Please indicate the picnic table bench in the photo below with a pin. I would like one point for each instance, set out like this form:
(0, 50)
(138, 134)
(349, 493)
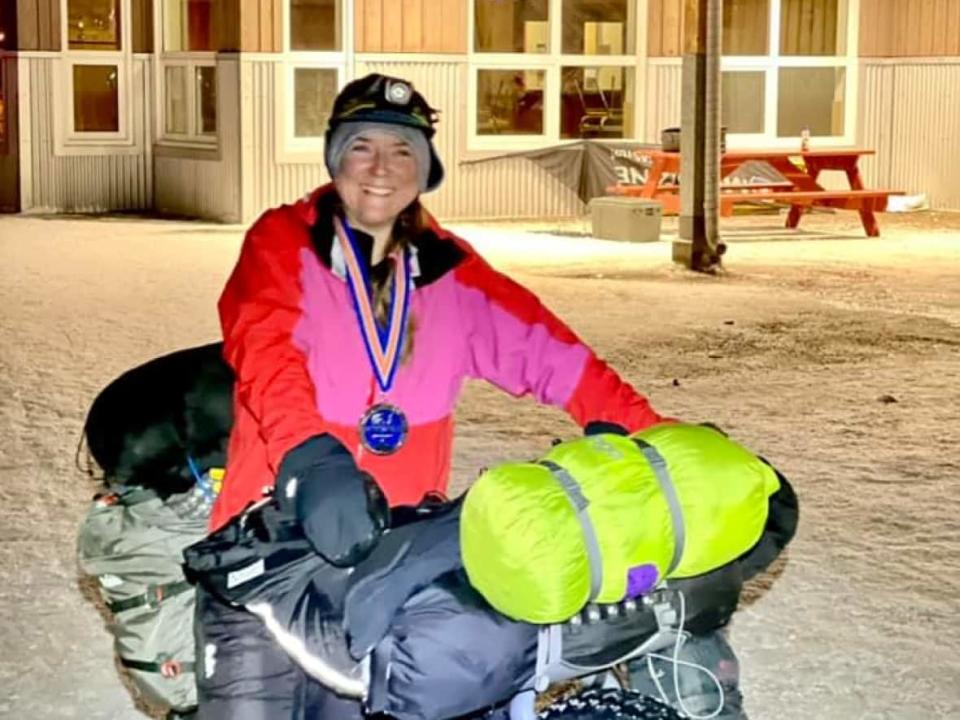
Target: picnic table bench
(800, 188)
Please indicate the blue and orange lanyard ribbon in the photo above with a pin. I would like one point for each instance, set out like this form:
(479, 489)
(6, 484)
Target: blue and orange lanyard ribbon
(384, 345)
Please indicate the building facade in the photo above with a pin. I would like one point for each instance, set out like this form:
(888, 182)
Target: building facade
(216, 108)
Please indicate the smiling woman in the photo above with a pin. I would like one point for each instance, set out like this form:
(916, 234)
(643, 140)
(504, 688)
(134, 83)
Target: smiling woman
(377, 177)
(338, 411)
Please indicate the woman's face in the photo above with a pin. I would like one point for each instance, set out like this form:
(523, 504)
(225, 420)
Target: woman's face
(377, 179)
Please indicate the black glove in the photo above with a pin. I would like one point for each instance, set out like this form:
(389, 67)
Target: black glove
(342, 510)
(599, 427)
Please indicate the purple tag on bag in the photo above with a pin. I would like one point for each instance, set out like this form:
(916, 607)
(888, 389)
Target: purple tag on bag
(641, 580)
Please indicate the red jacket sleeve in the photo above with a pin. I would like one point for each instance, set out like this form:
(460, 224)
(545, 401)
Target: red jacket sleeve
(259, 309)
(602, 395)
(520, 346)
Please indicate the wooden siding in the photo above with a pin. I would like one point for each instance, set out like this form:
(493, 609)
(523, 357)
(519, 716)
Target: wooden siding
(809, 27)
(38, 24)
(664, 27)
(410, 26)
(746, 26)
(920, 28)
(142, 27)
(225, 19)
(888, 28)
(261, 25)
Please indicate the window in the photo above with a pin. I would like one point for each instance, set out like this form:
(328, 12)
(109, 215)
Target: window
(592, 101)
(206, 76)
(317, 41)
(187, 74)
(511, 27)
(96, 101)
(95, 69)
(93, 25)
(313, 91)
(743, 101)
(787, 66)
(187, 26)
(315, 25)
(190, 101)
(600, 27)
(510, 102)
(175, 113)
(189, 94)
(549, 70)
(811, 97)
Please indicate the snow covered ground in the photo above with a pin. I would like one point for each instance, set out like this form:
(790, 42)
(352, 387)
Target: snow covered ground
(835, 356)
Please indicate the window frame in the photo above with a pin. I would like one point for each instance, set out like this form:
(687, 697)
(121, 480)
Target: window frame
(553, 62)
(194, 137)
(67, 139)
(191, 60)
(771, 64)
(291, 149)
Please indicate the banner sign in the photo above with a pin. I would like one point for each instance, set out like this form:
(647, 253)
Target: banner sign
(589, 167)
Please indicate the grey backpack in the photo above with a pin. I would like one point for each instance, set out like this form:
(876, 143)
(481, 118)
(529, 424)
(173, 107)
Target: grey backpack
(132, 541)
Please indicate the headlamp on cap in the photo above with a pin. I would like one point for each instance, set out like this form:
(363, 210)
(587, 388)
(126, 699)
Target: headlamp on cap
(378, 98)
(398, 92)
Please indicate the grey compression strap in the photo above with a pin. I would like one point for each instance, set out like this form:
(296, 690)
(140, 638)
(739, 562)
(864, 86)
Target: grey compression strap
(580, 503)
(153, 596)
(659, 466)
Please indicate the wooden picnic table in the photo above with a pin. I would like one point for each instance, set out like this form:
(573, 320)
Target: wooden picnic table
(800, 189)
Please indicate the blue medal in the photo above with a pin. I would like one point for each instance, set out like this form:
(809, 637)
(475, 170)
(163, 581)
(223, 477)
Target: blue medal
(383, 427)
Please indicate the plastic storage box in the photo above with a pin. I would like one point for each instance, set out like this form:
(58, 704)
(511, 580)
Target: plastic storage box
(625, 218)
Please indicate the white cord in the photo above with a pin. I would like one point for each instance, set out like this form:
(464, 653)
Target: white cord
(677, 662)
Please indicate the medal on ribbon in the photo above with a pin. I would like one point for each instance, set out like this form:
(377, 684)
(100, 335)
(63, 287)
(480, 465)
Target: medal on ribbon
(383, 428)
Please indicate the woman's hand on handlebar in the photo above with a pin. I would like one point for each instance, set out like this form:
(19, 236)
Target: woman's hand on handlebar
(341, 508)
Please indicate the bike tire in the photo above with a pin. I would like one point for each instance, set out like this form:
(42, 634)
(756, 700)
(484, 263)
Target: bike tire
(609, 704)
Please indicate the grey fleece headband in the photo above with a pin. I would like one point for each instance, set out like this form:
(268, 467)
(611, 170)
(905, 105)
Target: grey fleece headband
(344, 136)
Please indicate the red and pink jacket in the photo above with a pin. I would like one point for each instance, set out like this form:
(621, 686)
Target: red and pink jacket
(291, 336)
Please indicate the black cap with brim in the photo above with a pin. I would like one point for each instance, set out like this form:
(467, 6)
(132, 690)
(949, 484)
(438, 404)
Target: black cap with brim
(381, 99)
